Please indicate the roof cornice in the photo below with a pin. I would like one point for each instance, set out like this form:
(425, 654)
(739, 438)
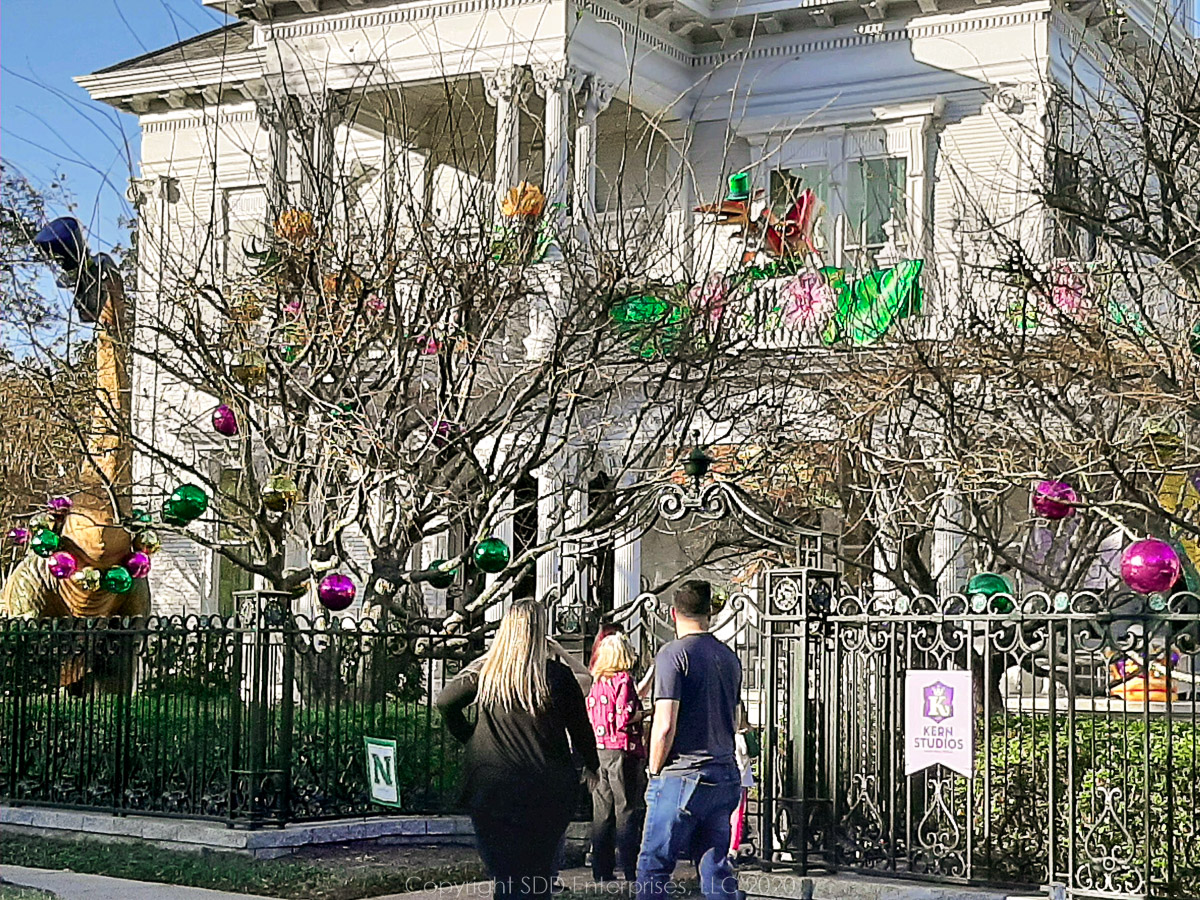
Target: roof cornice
(119, 87)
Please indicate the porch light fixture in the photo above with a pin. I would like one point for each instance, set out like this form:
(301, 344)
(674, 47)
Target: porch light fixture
(675, 502)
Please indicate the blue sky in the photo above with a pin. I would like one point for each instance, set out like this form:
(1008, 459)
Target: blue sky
(48, 123)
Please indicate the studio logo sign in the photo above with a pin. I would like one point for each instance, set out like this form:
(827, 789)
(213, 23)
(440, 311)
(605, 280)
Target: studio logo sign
(937, 720)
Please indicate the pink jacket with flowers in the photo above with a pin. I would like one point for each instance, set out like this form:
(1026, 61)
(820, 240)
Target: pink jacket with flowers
(612, 704)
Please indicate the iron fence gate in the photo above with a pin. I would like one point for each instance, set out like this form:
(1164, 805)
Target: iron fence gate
(1086, 757)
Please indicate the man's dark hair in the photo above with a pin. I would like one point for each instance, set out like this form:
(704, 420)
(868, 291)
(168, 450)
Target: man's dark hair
(694, 600)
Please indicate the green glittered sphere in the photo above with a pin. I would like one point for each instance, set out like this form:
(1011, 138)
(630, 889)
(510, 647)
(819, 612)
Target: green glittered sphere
(187, 502)
(491, 555)
(116, 580)
(45, 542)
(1194, 339)
(990, 586)
(444, 578)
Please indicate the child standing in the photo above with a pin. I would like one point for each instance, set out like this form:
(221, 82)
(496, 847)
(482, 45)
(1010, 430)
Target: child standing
(745, 759)
(615, 711)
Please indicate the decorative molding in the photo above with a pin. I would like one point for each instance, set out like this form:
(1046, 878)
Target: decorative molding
(414, 13)
(593, 95)
(554, 76)
(201, 121)
(504, 83)
(679, 52)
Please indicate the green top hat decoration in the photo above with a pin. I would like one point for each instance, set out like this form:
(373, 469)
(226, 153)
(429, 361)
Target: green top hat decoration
(739, 186)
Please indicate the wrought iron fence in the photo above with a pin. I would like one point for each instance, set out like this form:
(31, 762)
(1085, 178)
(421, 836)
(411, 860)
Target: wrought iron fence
(1086, 738)
(254, 719)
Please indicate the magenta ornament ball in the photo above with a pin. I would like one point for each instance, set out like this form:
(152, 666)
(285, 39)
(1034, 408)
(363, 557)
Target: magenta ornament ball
(1054, 500)
(336, 592)
(62, 564)
(224, 421)
(60, 505)
(138, 564)
(1150, 566)
(19, 536)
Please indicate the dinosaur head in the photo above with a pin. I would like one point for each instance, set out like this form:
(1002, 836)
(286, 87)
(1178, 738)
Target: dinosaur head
(94, 539)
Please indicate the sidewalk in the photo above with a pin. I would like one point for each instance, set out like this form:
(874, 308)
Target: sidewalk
(72, 886)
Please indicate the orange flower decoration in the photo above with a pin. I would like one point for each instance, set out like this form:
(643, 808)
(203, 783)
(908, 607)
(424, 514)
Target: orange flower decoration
(295, 226)
(524, 200)
(342, 283)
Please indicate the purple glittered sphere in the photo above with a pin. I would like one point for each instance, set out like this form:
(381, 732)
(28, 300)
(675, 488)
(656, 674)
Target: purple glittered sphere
(1150, 566)
(224, 421)
(60, 504)
(1054, 500)
(442, 432)
(138, 564)
(336, 592)
(1194, 478)
(19, 536)
(62, 564)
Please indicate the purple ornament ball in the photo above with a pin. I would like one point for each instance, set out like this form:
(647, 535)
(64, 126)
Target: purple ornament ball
(1150, 566)
(442, 432)
(336, 592)
(224, 421)
(62, 564)
(138, 564)
(1194, 478)
(19, 536)
(1054, 500)
(60, 505)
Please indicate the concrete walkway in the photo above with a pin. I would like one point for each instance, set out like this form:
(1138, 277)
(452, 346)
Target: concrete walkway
(73, 886)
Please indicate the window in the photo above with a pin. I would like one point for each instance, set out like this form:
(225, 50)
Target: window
(788, 184)
(875, 191)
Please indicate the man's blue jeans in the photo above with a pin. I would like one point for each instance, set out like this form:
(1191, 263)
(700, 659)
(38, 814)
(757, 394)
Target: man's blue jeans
(688, 816)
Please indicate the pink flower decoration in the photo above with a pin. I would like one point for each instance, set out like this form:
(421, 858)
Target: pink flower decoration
(375, 303)
(293, 308)
(712, 295)
(808, 302)
(428, 345)
(1069, 291)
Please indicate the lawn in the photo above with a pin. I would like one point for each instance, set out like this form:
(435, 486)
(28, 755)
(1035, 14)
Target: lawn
(13, 892)
(329, 875)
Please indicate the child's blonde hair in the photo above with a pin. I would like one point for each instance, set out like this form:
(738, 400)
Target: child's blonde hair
(615, 654)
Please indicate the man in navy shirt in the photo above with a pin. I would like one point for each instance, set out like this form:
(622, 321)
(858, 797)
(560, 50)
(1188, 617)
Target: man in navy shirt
(695, 782)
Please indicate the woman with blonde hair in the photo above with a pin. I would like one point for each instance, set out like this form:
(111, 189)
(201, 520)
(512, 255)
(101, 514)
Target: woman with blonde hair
(615, 711)
(519, 781)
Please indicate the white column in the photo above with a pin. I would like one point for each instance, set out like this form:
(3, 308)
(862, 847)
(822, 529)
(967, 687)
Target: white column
(553, 79)
(273, 120)
(593, 98)
(627, 559)
(575, 512)
(680, 184)
(504, 531)
(947, 559)
(504, 88)
(549, 516)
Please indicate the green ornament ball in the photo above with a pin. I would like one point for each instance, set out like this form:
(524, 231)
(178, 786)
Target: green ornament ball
(117, 580)
(491, 555)
(187, 502)
(444, 578)
(1194, 340)
(992, 586)
(171, 514)
(45, 542)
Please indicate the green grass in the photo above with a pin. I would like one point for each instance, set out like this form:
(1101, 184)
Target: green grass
(303, 880)
(13, 892)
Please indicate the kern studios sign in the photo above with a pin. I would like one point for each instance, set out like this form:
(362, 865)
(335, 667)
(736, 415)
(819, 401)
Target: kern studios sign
(938, 720)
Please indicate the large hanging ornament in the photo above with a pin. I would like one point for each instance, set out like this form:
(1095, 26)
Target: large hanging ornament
(1194, 339)
(186, 504)
(42, 520)
(60, 506)
(148, 542)
(140, 519)
(19, 536)
(44, 543)
(224, 421)
(995, 589)
(280, 494)
(62, 564)
(87, 578)
(1150, 566)
(442, 578)
(138, 564)
(491, 555)
(443, 431)
(1054, 500)
(336, 592)
(250, 369)
(117, 580)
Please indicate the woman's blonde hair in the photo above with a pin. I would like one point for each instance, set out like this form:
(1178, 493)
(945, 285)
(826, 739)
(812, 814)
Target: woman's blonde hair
(514, 671)
(615, 654)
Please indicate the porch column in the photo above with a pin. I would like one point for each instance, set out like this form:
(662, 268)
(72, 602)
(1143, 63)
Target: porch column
(553, 79)
(319, 115)
(549, 515)
(504, 88)
(504, 531)
(679, 173)
(593, 98)
(575, 511)
(947, 560)
(272, 119)
(627, 559)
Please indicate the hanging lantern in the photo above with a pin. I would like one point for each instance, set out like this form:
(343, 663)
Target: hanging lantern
(1054, 500)
(994, 589)
(443, 578)
(224, 421)
(280, 494)
(138, 564)
(87, 578)
(62, 564)
(336, 592)
(1150, 566)
(186, 504)
(44, 543)
(19, 537)
(116, 580)
(147, 542)
(491, 555)
(60, 506)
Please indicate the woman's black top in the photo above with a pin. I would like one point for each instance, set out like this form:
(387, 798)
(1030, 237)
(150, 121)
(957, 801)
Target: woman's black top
(515, 758)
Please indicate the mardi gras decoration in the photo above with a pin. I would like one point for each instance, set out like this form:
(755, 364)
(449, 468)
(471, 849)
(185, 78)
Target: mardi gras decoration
(655, 323)
(19, 537)
(138, 564)
(186, 504)
(1150, 566)
(491, 555)
(224, 421)
(1131, 684)
(1054, 500)
(441, 578)
(336, 592)
(280, 494)
(523, 236)
(994, 589)
(787, 237)
(62, 564)
(45, 542)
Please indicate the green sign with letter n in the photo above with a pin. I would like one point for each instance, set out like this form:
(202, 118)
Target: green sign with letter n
(381, 771)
